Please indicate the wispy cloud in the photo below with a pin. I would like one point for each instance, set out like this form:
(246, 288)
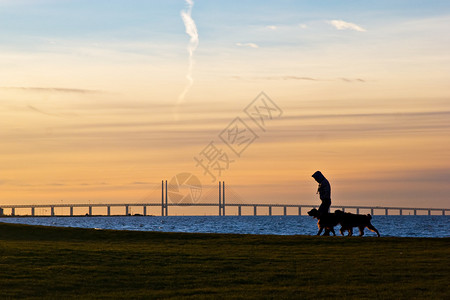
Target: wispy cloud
(271, 27)
(34, 109)
(426, 115)
(342, 25)
(288, 78)
(293, 77)
(191, 30)
(140, 182)
(352, 80)
(40, 111)
(51, 90)
(248, 45)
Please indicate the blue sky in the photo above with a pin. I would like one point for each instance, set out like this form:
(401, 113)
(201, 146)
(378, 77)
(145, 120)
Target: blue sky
(155, 30)
(217, 21)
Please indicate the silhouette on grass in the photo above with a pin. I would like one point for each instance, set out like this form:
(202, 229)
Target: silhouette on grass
(324, 191)
(328, 221)
(325, 221)
(349, 220)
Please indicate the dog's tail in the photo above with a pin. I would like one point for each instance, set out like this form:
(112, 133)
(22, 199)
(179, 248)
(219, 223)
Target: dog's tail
(370, 217)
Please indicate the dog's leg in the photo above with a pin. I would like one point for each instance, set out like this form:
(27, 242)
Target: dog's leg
(320, 230)
(327, 232)
(361, 230)
(350, 231)
(341, 231)
(372, 228)
(332, 231)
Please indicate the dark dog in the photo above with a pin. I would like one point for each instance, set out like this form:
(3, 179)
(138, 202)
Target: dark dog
(326, 221)
(349, 220)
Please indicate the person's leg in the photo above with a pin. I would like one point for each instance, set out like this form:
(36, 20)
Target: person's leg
(324, 208)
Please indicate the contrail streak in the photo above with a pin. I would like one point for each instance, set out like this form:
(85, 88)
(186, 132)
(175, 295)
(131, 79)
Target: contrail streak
(191, 30)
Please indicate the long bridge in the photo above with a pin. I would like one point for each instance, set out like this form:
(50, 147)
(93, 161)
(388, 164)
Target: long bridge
(257, 208)
(221, 204)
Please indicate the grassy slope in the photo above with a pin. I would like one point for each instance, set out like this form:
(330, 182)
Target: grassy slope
(62, 262)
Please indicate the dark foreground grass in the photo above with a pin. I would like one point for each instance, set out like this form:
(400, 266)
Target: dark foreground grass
(58, 263)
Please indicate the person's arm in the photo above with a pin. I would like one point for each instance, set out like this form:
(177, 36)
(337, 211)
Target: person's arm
(325, 190)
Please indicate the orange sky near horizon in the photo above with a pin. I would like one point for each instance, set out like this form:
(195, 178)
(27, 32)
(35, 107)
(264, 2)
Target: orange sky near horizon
(90, 114)
(379, 153)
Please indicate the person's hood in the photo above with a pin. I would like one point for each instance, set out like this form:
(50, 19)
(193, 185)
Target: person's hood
(318, 176)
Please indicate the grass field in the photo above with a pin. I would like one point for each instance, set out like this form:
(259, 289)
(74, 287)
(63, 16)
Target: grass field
(47, 262)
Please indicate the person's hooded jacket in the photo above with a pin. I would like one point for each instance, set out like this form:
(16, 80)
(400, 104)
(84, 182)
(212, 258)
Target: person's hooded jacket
(324, 189)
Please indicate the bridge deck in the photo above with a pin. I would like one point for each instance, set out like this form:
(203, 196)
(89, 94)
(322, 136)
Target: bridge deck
(221, 206)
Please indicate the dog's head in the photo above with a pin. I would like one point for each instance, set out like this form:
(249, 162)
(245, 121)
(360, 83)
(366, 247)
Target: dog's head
(313, 213)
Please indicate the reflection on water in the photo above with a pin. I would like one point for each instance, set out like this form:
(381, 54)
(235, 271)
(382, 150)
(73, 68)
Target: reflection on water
(400, 226)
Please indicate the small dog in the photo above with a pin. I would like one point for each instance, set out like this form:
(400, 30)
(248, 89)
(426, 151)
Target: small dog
(326, 221)
(349, 220)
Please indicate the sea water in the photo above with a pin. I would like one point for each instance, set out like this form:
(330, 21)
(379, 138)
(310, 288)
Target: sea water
(397, 226)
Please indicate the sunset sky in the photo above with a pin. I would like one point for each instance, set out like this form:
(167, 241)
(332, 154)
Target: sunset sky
(90, 106)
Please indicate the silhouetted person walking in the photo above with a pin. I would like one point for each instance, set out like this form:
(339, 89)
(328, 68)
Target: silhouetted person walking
(324, 192)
